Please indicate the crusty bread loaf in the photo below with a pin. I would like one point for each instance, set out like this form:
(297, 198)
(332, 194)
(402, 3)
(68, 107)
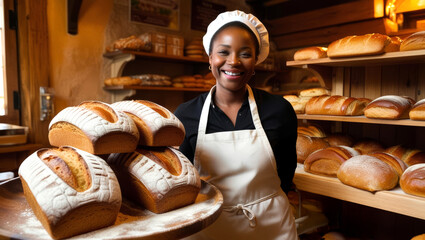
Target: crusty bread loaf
(311, 130)
(391, 160)
(352, 46)
(70, 191)
(365, 146)
(389, 107)
(295, 102)
(367, 173)
(394, 45)
(413, 180)
(310, 53)
(339, 139)
(157, 125)
(415, 41)
(335, 105)
(94, 127)
(328, 160)
(313, 92)
(160, 179)
(408, 155)
(418, 111)
(306, 145)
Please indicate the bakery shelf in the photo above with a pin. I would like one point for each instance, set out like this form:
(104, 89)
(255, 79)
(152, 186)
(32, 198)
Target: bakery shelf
(158, 56)
(386, 200)
(362, 119)
(113, 88)
(414, 56)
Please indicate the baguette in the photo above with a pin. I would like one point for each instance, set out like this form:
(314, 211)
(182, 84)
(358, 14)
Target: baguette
(413, 180)
(310, 53)
(352, 46)
(327, 161)
(335, 105)
(415, 41)
(389, 107)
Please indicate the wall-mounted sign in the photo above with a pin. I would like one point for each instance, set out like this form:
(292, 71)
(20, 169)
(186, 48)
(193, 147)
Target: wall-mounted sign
(204, 12)
(161, 13)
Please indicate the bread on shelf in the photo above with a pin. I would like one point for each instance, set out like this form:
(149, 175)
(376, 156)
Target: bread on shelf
(94, 127)
(335, 105)
(418, 111)
(306, 145)
(415, 41)
(410, 156)
(311, 130)
(157, 126)
(391, 160)
(389, 107)
(327, 161)
(70, 191)
(310, 53)
(413, 180)
(339, 139)
(160, 179)
(367, 145)
(313, 92)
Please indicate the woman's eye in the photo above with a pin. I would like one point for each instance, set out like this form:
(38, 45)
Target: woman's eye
(223, 52)
(246, 55)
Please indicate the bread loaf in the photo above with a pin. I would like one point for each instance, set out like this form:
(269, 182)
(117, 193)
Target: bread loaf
(340, 139)
(157, 125)
(365, 146)
(160, 179)
(407, 155)
(328, 160)
(306, 145)
(413, 180)
(335, 105)
(415, 41)
(295, 102)
(311, 130)
(352, 46)
(367, 173)
(313, 92)
(419, 237)
(391, 160)
(94, 127)
(418, 111)
(389, 107)
(70, 191)
(310, 53)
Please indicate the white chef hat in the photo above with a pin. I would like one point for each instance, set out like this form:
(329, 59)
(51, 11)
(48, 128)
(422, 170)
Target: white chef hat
(250, 21)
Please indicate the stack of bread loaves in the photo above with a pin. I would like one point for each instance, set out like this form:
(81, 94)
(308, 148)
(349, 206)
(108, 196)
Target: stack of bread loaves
(299, 102)
(72, 191)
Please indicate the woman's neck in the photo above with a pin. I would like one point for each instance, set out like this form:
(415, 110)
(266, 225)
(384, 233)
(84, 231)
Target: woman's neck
(229, 102)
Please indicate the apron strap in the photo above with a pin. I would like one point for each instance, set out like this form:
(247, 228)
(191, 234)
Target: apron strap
(246, 211)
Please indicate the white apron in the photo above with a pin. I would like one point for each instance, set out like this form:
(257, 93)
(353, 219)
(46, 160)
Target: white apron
(242, 165)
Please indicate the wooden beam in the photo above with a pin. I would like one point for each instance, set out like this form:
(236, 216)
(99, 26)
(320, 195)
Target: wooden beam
(324, 36)
(338, 14)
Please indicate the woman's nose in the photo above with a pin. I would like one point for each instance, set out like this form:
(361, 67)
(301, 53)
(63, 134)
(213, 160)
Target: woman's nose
(234, 59)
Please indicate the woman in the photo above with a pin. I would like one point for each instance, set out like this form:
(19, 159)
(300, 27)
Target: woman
(240, 138)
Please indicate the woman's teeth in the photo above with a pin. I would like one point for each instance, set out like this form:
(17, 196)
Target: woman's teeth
(233, 73)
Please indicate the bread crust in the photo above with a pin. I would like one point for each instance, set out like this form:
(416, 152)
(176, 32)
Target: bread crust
(413, 180)
(306, 145)
(407, 155)
(365, 146)
(351, 46)
(312, 92)
(391, 160)
(334, 105)
(310, 53)
(338, 139)
(389, 107)
(415, 41)
(418, 111)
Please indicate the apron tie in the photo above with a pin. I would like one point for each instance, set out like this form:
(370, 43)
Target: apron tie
(249, 214)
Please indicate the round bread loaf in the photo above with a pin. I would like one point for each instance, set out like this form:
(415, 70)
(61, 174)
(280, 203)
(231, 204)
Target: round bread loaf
(413, 180)
(367, 173)
(327, 161)
(365, 146)
(157, 125)
(70, 191)
(160, 179)
(94, 127)
(391, 160)
(415, 41)
(306, 145)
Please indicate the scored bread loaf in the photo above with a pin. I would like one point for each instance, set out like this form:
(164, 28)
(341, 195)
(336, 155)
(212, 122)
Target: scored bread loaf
(351, 46)
(310, 53)
(415, 41)
(418, 111)
(306, 145)
(94, 127)
(368, 173)
(391, 160)
(407, 155)
(335, 105)
(366, 145)
(389, 107)
(311, 130)
(160, 179)
(340, 139)
(327, 161)
(413, 180)
(70, 191)
(156, 124)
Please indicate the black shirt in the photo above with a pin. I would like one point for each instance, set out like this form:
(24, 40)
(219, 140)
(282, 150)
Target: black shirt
(277, 118)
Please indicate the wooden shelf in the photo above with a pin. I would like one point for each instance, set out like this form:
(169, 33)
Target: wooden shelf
(414, 56)
(113, 88)
(394, 200)
(362, 119)
(162, 57)
(19, 148)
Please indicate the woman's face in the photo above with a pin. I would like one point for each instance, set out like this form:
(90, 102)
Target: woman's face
(233, 58)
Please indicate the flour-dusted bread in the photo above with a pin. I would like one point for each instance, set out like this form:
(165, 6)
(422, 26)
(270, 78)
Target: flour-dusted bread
(157, 125)
(160, 179)
(70, 191)
(413, 180)
(352, 46)
(389, 107)
(415, 41)
(94, 127)
(310, 53)
(368, 173)
(327, 161)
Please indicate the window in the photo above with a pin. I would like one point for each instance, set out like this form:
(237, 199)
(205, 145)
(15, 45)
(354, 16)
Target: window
(8, 64)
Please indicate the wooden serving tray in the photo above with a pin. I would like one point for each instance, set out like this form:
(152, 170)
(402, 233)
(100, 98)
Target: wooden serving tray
(18, 221)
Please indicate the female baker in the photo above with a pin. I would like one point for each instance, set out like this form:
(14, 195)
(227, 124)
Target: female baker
(242, 140)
